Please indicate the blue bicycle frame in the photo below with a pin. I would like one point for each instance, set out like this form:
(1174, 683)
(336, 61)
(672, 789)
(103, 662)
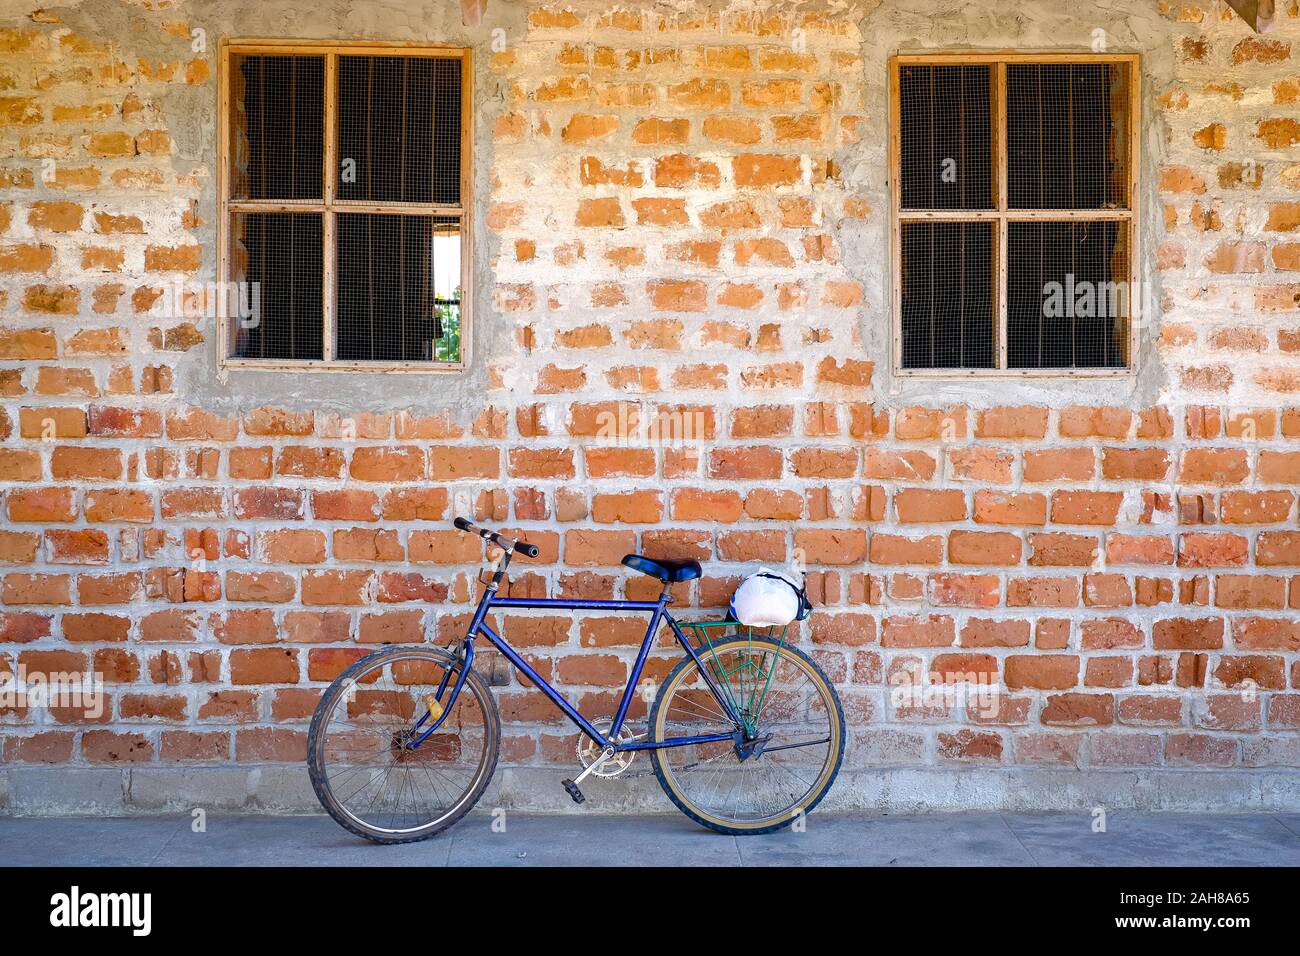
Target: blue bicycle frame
(658, 614)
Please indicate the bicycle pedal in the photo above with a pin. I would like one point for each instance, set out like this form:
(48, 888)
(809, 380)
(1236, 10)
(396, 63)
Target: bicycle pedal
(573, 791)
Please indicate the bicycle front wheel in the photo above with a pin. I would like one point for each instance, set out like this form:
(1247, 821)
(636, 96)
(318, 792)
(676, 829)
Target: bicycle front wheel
(792, 722)
(369, 767)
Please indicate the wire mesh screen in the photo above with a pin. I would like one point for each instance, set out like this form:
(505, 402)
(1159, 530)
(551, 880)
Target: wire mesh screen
(1067, 135)
(278, 137)
(947, 294)
(1067, 294)
(398, 288)
(399, 129)
(945, 137)
(280, 256)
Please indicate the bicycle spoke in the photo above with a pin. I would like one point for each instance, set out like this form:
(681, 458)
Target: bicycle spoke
(374, 773)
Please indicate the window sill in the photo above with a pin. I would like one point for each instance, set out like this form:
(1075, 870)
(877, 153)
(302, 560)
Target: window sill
(286, 365)
(1013, 373)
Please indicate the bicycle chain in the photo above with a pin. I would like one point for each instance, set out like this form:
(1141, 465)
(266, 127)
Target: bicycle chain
(693, 766)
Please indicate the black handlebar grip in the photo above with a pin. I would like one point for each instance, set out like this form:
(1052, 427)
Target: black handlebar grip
(464, 524)
(529, 550)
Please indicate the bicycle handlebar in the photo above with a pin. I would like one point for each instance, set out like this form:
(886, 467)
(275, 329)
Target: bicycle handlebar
(509, 544)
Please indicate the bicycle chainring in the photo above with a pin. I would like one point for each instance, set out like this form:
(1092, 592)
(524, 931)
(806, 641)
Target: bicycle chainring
(589, 751)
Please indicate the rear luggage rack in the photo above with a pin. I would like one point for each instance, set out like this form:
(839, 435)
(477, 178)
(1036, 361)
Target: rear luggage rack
(750, 691)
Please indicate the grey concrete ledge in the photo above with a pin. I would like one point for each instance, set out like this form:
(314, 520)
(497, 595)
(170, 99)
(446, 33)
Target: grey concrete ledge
(59, 791)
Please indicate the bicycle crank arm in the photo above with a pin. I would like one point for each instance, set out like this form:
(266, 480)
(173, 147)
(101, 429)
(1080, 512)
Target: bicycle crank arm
(571, 786)
(608, 754)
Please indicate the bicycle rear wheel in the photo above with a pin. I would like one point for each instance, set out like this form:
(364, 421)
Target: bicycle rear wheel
(780, 695)
(359, 754)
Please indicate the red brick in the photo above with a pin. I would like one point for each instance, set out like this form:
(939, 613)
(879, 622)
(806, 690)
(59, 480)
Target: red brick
(1268, 673)
(892, 549)
(1056, 549)
(1212, 550)
(979, 632)
(833, 547)
(169, 625)
(1080, 421)
(270, 745)
(36, 589)
(269, 665)
(1266, 634)
(1108, 672)
(695, 504)
(1200, 750)
(466, 462)
(970, 745)
(300, 461)
(1148, 709)
(1105, 634)
(997, 507)
(392, 627)
(984, 548)
(931, 424)
(200, 747)
(845, 628)
(898, 466)
(1134, 464)
(89, 546)
(757, 463)
(1011, 422)
(588, 548)
(1181, 634)
(965, 590)
(18, 547)
(377, 463)
(1106, 590)
(108, 747)
(1041, 671)
(769, 504)
(1078, 710)
(1214, 466)
(1139, 549)
(1086, 507)
(926, 506)
(923, 631)
(1060, 464)
(634, 507)
(336, 587)
(982, 464)
(1043, 592)
(1277, 548)
(112, 505)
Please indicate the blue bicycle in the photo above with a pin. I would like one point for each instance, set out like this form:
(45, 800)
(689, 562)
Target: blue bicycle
(745, 734)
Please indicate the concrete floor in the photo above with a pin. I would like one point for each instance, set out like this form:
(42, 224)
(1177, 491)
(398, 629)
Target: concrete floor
(974, 839)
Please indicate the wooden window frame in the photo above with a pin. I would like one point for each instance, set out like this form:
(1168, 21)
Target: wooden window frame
(329, 205)
(1002, 215)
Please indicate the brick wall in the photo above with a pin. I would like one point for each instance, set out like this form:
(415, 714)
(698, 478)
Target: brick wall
(685, 221)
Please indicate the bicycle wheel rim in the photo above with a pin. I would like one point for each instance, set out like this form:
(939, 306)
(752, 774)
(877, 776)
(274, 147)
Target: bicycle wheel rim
(710, 781)
(381, 788)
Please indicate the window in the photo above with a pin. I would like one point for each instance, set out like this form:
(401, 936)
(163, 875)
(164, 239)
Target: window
(1014, 198)
(345, 178)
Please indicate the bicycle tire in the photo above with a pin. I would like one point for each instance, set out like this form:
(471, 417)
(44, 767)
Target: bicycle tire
(316, 769)
(806, 804)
